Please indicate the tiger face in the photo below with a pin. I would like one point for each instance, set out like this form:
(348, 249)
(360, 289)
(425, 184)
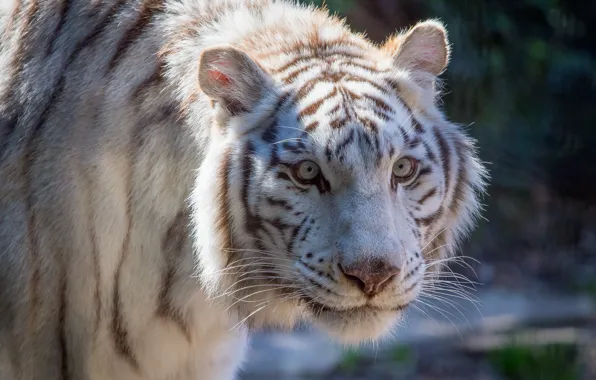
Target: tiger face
(332, 185)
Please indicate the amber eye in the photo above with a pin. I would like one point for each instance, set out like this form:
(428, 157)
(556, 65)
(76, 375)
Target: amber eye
(404, 169)
(306, 171)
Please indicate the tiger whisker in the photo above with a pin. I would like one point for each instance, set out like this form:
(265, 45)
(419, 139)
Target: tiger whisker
(247, 317)
(443, 312)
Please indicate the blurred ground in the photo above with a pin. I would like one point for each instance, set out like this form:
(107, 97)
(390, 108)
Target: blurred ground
(550, 335)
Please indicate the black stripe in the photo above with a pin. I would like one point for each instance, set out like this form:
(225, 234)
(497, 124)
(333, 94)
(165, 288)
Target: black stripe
(270, 133)
(413, 185)
(155, 77)
(278, 224)
(429, 153)
(319, 54)
(63, 342)
(329, 152)
(252, 222)
(364, 137)
(425, 171)
(445, 157)
(267, 234)
(274, 160)
(380, 103)
(87, 41)
(95, 258)
(371, 69)
(381, 115)
(289, 78)
(414, 142)
(377, 145)
(27, 177)
(292, 63)
(404, 135)
(323, 185)
(172, 246)
(346, 142)
(269, 229)
(307, 230)
(334, 109)
(118, 328)
(428, 195)
(426, 221)
(417, 126)
(64, 8)
(279, 203)
(461, 180)
(293, 146)
(59, 88)
(369, 124)
(284, 176)
(8, 125)
(294, 235)
(145, 15)
(312, 126)
(306, 88)
(359, 79)
(339, 122)
(312, 108)
(281, 103)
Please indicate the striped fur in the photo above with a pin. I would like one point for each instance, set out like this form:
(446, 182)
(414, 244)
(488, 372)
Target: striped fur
(149, 210)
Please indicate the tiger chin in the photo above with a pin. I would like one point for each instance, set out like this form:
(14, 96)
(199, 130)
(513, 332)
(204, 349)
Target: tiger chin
(175, 174)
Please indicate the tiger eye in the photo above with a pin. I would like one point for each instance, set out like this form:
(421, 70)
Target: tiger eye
(307, 171)
(404, 168)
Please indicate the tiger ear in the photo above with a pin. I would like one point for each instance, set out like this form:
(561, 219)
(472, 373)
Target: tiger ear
(230, 77)
(423, 50)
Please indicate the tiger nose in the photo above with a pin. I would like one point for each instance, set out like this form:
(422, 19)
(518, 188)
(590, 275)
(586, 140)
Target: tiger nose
(371, 276)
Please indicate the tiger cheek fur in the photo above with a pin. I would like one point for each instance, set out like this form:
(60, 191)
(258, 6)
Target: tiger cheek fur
(175, 173)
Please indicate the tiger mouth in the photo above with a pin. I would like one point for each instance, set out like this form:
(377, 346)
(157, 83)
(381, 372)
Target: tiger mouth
(319, 308)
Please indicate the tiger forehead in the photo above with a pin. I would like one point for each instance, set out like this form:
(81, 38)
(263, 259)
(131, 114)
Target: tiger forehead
(344, 114)
(337, 106)
(354, 145)
(332, 66)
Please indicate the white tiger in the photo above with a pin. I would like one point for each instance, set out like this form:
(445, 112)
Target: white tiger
(175, 173)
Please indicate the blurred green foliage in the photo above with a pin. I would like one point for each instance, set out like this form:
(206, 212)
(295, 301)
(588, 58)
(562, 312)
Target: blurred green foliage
(551, 362)
(523, 71)
(349, 361)
(401, 354)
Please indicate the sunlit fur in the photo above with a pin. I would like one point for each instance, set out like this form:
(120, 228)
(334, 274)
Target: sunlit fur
(148, 217)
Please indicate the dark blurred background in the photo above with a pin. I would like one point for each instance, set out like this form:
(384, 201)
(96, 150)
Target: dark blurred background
(522, 81)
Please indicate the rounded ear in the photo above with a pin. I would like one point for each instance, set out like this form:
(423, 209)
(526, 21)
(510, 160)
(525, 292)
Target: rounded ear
(230, 77)
(424, 49)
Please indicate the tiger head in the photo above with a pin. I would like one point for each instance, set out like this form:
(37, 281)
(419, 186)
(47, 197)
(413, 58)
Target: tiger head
(332, 187)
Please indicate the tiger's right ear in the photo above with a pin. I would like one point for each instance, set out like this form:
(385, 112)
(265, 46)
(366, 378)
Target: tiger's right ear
(230, 77)
(423, 51)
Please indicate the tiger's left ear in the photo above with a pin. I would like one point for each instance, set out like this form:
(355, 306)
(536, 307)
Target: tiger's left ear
(230, 77)
(423, 50)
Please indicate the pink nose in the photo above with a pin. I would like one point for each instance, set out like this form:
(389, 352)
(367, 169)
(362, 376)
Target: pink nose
(371, 276)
